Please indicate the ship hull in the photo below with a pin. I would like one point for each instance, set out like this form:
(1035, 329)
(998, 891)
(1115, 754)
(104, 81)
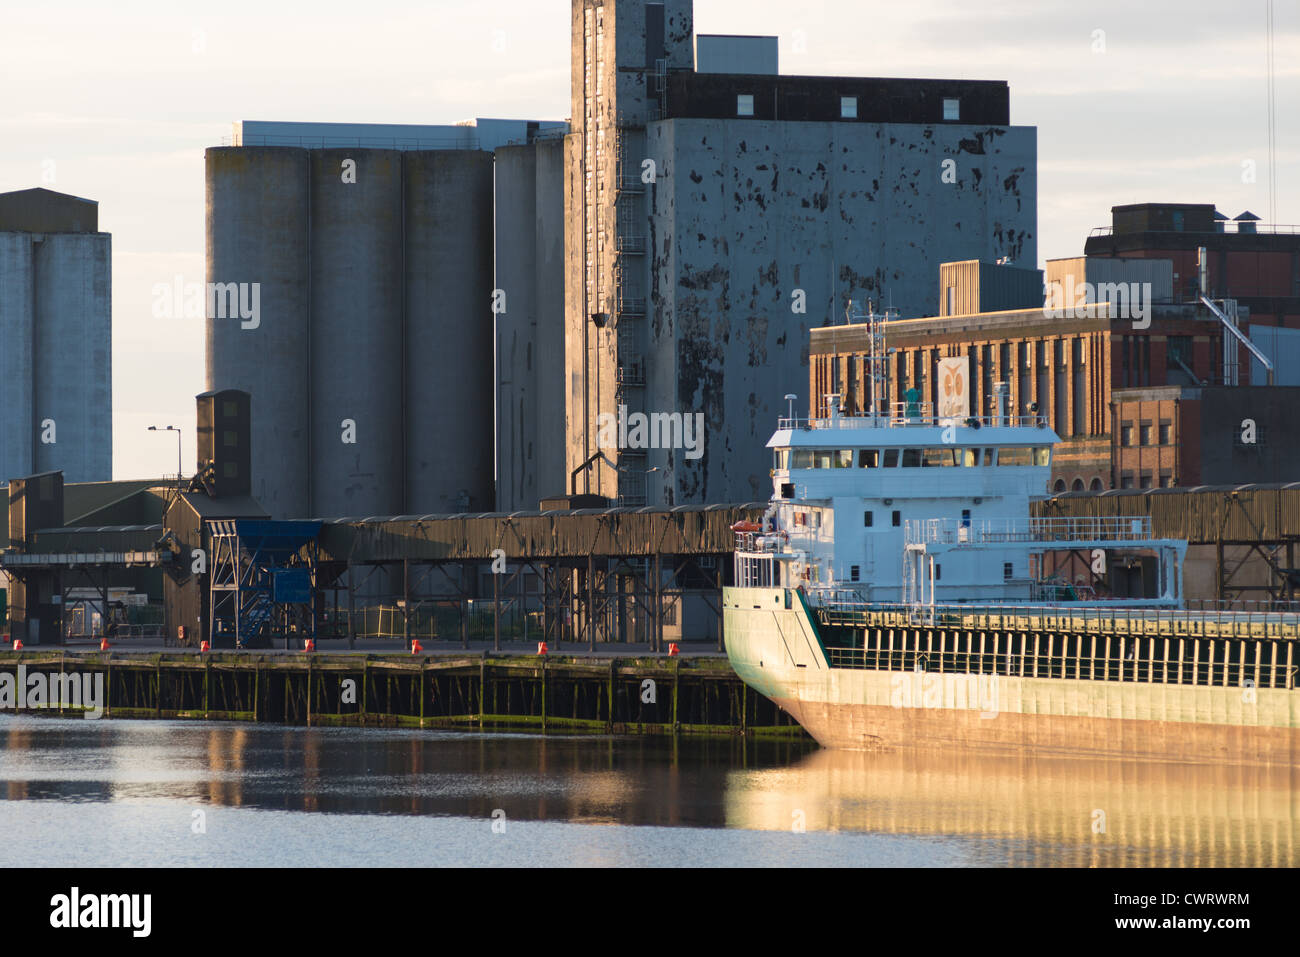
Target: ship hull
(777, 651)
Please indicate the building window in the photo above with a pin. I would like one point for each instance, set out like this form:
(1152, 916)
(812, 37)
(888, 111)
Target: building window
(1077, 485)
(1126, 481)
(896, 518)
(1144, 437)
(951, 108)
(1144, 481)
(950, 294)
(1126, 435)
(848, 107)
(1095, 486)
(853, 573)
(868, 519)
(745, 104)
(1059, 486)
(1165, 434)
(1166, 480)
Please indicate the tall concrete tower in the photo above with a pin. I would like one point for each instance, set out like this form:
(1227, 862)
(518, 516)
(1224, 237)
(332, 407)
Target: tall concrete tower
(622, 53)
(56, 336)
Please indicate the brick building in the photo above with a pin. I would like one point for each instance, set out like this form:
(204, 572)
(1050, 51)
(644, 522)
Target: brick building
(1257, 264)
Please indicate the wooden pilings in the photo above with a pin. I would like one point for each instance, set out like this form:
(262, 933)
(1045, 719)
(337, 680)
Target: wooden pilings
(605, 695)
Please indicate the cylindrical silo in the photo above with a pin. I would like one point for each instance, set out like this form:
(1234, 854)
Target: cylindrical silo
(356, 332)
(17, 418)
(449, 414)
(72, 350)
(517, 408)
(257, 232)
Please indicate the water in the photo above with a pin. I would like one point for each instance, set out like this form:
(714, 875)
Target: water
(83, 793)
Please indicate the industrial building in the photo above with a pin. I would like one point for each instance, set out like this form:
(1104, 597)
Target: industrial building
(1143, 378)
(716, 211)
(368, 252)
(56, 330)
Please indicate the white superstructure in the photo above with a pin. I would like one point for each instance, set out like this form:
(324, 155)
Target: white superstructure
(902, 505)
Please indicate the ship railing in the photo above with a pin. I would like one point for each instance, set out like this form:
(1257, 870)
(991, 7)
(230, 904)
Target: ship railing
(969, 664)
(1204, 619)
(901, 415)
(948, 531)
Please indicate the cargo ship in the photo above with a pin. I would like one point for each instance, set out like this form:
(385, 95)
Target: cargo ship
(897, 593)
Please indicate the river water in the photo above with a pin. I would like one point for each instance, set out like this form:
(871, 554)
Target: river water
(108, 792)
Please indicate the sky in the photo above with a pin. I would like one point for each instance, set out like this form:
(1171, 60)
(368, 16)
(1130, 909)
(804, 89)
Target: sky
(1158, 101)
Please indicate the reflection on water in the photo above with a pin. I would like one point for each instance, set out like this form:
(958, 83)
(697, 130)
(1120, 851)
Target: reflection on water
(1050, 810)
(59, 778)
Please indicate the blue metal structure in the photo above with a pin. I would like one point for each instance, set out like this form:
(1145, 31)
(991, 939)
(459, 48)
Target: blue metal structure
(263, 580)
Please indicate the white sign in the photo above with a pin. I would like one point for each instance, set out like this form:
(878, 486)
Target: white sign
(954, 387)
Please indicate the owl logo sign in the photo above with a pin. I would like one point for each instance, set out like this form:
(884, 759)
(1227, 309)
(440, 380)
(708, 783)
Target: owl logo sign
(954, 388)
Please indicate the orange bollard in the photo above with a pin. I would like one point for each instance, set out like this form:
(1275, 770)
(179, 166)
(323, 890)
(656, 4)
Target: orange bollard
(5, 638)
(103, 644)
(309, 644)
(672, 649)
(541, 647)
(18, 644)
(204, 646)
(416, 647)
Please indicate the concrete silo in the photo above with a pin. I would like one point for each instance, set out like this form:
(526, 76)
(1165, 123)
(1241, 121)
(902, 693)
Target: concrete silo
(449, 440)
(72, 344)
(356, 332)
(17, 417)
(257, 232)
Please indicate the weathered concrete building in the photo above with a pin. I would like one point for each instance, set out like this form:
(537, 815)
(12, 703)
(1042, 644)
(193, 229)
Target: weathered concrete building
(368, 254)
(714, 218)
(56, 331)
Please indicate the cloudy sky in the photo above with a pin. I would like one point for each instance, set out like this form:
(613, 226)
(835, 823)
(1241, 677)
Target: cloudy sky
(116, 102)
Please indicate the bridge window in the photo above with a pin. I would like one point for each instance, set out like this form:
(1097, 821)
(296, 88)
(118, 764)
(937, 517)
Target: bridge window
(1043, 455)
(970, 457)
(802, 459)
(868, 519)
(781, 459)
(940, 457)
(853, 573)
(1008, 571)
(842, 459)
(868, 458)
(897, 518)
(891, 458)
(911, 458)
(988, 456)
(1015, 456)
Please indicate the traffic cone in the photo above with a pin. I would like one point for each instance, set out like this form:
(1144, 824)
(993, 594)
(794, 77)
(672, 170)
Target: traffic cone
(541, 647)
(672, 649)
(18, 644)
(103, 644)
(204, 646)
(309, 644)
(416, 647)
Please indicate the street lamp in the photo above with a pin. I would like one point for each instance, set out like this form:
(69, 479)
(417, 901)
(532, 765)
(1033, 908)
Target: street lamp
(172, 428)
